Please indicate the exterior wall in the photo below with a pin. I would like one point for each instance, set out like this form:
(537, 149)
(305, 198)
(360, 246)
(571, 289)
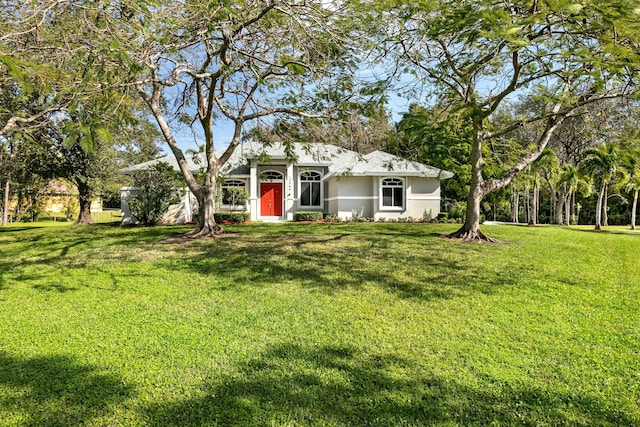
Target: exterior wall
(423, 197)
(353, 194)
(331, 196)
(346, 195)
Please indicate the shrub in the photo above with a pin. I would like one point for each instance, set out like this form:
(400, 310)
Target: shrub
(332, 218)
(427, 217)
(307, 216)
(231, 217)
(458, 211)
(157, 191)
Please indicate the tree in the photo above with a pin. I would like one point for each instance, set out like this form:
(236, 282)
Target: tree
(632, 184)
(239, 62)
(363, 129)
(440, 138)
(157, 190)
(604, 164)
(477, 55)
(65, 84)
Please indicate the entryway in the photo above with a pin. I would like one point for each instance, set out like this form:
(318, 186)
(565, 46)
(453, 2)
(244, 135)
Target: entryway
(271, 199)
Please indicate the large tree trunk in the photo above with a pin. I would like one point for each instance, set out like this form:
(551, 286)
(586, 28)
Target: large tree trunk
(470, 230)
(207, 225)
(633, 210)
(84, 198)
(558, 210)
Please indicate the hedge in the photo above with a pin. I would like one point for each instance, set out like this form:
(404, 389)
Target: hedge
(307, 216)
(232, 217)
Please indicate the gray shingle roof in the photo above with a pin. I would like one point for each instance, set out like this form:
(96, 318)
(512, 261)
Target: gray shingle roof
(339, 161)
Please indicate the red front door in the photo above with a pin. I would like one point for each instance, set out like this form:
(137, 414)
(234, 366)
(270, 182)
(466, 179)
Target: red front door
(271, 198)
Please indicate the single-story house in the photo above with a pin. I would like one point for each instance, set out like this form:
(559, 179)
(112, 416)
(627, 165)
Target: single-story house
(282, 180)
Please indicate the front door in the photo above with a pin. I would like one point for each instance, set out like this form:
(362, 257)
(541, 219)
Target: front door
(271, 198)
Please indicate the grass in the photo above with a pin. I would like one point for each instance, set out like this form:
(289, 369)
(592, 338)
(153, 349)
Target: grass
(318, 324)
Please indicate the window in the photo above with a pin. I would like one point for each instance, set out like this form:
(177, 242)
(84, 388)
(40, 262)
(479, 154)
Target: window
(229, 197)
(392, 193)
(310, 189)
(271, 176)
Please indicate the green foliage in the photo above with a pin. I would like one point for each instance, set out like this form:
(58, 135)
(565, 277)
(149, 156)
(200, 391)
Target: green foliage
(438, 138)
(156, 191)
(307, 216)
(130, 327)
(458, 211)
(332, 218)
(231, 217)
(71, 208)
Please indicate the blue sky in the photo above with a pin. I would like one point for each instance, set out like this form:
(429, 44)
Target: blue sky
(223, 131)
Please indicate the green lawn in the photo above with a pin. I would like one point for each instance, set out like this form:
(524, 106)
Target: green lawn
(318, 324)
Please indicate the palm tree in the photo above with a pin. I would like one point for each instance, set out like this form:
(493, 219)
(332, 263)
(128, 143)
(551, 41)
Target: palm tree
(633, 182)
(575, 182)
(604, 163)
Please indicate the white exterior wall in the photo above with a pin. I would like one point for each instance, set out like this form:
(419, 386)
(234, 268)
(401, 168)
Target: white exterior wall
(355, 193)
(422, 195)
(352, 194)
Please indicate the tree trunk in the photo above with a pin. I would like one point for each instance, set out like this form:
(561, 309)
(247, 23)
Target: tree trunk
(633, 210)
(207, 225)
(515, 207)
(5, 205)
(599, 207)
(533, 220)
(84, 198)
(470, 230)
(605, 205)
(558, 211)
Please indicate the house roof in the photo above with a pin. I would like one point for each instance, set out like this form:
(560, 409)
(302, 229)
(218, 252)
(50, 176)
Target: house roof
(339, 161)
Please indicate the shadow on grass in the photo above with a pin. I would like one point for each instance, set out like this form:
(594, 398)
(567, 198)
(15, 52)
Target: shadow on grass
(290, 384)
(24, 252)
(56, 390)
(405, 259)
(414, 264)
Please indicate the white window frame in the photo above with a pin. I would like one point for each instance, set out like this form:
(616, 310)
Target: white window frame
(384, 183)
(225, 184)
(264, 178)
(318, 174)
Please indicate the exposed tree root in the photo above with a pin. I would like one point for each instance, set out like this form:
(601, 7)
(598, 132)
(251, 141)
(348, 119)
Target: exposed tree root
(472, 236)
(213, 231)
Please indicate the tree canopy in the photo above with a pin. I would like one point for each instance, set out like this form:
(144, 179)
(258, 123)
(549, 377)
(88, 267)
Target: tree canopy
(476, 56)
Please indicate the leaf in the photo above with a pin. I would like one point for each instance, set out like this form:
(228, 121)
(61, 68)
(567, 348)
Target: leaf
(13, 70)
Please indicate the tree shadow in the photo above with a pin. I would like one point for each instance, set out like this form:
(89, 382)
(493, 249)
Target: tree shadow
(75, 248)
(56, 391)
(420, 267)
(292, 384)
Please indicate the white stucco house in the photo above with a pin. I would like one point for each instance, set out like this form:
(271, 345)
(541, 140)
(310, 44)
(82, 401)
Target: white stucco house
(316, 177)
